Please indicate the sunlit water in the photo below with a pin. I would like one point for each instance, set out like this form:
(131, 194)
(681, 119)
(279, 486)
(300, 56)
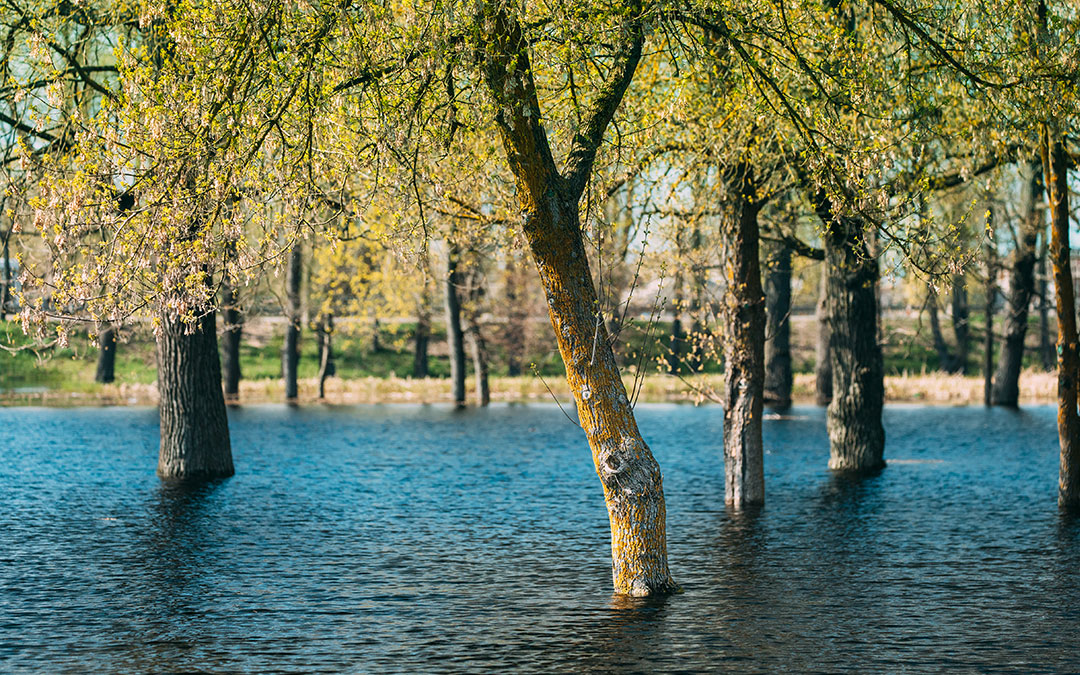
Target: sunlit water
(410, 538)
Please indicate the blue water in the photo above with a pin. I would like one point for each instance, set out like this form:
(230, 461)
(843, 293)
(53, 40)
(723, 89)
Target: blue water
(417, 538)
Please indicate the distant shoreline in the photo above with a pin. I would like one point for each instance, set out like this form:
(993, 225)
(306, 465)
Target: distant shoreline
(1036, 388)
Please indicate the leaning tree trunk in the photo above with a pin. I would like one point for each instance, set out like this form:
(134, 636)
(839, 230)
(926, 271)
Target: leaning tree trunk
(290, 354)
(1006, 391)
(550, 202)
(823, 376)
(856, 433)
(234, 329)
(961, 327)
(744, 346)
(106, 365)
(454, 336)
(194, 426)
(778, 377)
(1068, 350)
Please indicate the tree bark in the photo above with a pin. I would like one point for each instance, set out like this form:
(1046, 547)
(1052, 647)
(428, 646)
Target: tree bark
(326, 352)
(194, 425)
(1046, 346)
(234, 329)
(856, 433)
(823, 376)
(1006, 391)
(988, 337)
(454, 336)
(961, 327)
(778, 377)
(550, 202)
(290, 353)
(744, 357)
(1068, 349)
(106, 365)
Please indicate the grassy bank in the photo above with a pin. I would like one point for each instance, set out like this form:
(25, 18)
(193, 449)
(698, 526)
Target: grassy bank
(371, 370)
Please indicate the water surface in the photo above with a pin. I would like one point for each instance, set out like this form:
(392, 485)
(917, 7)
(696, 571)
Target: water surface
(418, 538)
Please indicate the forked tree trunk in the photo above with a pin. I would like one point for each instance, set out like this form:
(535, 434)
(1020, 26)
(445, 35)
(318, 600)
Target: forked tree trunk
(823, 376)
(633, 485)
(744, 349)
(1006, 390)
(778, 377)
(106, 365)
(1068, 350)
(961, 327)
(856, 433)
(290, 353)
(326, 352)
(194, 426)
(988, 337)
(234, 330)
(454, 337)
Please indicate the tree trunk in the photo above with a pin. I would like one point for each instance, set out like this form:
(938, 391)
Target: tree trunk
(744, 357)
(234, 329)
(326, 352)
(988, 338)
(1046, 346)
(1068, 349)
(778, 377)
(550, 202)
(5, 280)
(480, 364)
(516, 316)
(290, 354)
(1006, 391)
(961, 327)
(454, 337)
(678, 337)
(856, 434)
(420, 342)
(194, 426)
(946, 361)
(106, 365)
(823, 376)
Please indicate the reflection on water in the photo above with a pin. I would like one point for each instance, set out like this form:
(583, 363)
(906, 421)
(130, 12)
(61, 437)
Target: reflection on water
(414, 538)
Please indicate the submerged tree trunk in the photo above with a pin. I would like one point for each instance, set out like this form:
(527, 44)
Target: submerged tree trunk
(234, 328)
(823, 376)
(856, 433)
(550, 202)
(744, 347)
(1068, 349)
(326, 351)
(290, 354)
(961, 327)
(778, 377)
(106, 365)
(454, 337)
(1006, 391)
(194, 426)
(988, 337)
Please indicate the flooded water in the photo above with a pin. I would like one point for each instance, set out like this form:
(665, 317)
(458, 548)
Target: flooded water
(413, 538)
